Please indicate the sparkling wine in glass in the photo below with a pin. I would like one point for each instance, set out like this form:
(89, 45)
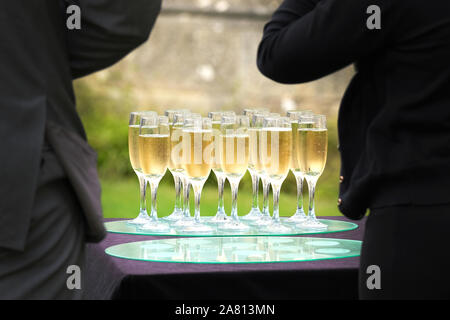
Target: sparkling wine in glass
(299, 216)
(216, 117)
(133, 149)
(180, 120)
(154, 156)
(312, 156)
(175, 165)
(257, 160)
(197, 152)
(276, 146)
(253, 131)
(234, 162)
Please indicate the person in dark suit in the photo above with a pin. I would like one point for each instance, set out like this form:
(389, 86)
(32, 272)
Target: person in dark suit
(49, 190)
(394, 127)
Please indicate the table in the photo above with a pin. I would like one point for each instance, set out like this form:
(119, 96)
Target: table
(107, 277)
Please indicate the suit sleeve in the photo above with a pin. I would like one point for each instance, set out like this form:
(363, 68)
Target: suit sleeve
(110, 29)
(308, 39)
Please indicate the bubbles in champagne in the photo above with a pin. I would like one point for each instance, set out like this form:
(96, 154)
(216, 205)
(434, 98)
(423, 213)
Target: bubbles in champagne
(133, 146)
(276, 152)
(234, 154)
(176, 147)
(312, 150)
(197, 149)
(154, 154)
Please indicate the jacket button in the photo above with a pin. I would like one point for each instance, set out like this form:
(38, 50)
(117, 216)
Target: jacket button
(339, 202)
(341, 178)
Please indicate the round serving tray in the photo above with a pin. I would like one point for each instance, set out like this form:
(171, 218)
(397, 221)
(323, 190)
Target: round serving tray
(122, 226)
(234, 250)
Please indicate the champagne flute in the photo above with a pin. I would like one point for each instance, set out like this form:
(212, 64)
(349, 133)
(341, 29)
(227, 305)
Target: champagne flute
(154, 154)
(216, 118)
(175, 166)
(255, 213)
(299, 216)
(234, 163)
(276, 145)
(197, 152)
(186, 219)
(133, 149)
(260, 159)
(312, 156)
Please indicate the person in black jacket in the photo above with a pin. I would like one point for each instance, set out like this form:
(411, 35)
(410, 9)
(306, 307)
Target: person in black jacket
(49, 190)
(394, 126)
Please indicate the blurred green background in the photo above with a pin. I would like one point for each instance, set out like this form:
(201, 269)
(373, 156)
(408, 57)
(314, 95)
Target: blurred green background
(201, 56)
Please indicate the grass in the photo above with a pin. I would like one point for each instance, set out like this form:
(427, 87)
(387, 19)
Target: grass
(120, 199)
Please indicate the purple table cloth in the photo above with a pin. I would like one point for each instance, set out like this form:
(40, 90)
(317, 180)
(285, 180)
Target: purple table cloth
(108, 277)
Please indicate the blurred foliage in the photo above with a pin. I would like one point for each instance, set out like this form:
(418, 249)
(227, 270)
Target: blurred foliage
(106, 123)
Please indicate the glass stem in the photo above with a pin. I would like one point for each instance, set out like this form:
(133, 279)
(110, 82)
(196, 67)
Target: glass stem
(276, 187)
(234, 183)
(197, 186)
(255, 185)
(265, 183)
(220, 186)
(154, 183)
(312, 188)
(186, 189)
(142, 194)
(178, 200)
(299, 178)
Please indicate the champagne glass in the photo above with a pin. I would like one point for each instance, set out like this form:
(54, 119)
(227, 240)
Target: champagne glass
(133, 149)
(299, 216)
(276, 146)
(216, 118)
(175, 166)
(186, 219)
(259, 159)
(312, 156)
(255, 213)
(234, 163)
(197, 153)
(154, 154)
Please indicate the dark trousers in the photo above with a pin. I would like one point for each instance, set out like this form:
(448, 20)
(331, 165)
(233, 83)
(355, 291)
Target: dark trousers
(411, 247)
(55, 241)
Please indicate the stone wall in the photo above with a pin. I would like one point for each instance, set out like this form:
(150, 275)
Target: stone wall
(202, 56)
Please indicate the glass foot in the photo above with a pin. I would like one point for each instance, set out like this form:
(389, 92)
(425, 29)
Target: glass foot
(298, 218)
(156, 227)
(196, 228)
(174, 216)
(254, 214)
(142, 218)
(312, 223)
(276, 228)
(264, 220)
(233, 226)
(183, 222)
(220, 218)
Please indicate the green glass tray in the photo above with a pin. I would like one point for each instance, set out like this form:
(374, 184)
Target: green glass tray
(122, 226)
(235, 250)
